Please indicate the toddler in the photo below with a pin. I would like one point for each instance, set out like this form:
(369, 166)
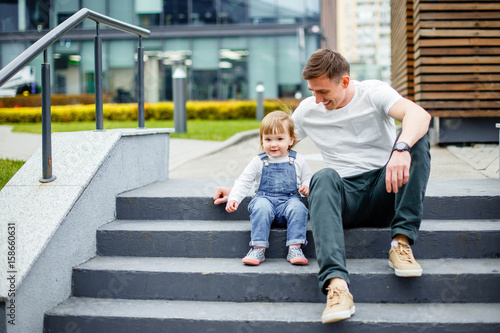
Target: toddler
(279, 174)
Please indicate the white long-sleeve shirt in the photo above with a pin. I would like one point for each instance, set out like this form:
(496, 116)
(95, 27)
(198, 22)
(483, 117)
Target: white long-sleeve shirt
(250, 177)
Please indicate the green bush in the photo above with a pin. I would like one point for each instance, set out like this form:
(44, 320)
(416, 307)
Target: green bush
(231, 109)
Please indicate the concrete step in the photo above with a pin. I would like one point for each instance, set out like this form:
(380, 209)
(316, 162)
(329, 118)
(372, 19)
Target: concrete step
(147, 316)
(191, 199)
(276, 280)
(229, 239)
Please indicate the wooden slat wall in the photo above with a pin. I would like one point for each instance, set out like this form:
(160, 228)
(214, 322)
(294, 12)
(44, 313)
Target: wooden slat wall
(456, 60)
(402, 68)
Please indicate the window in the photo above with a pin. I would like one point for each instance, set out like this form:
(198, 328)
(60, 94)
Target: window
(8, 16)
(176, 12)
(204, 12)
(233, 12)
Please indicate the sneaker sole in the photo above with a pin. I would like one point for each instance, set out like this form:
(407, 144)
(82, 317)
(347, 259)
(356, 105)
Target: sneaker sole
(298, 261)
(251, 262)
(406, 272)
(338, 316)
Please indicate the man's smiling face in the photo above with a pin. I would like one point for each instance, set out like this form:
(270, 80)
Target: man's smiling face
(330, 92)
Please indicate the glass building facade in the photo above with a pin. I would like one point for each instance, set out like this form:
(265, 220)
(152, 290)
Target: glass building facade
(227, 46)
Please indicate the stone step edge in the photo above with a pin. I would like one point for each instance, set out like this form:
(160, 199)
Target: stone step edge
(278, 266)
(290, 312)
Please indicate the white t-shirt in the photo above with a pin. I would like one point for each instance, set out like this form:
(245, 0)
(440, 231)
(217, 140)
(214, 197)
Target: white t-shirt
(250, 177)
(357, 137)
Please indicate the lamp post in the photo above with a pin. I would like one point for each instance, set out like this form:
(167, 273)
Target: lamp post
(260, 101)
(179, 87)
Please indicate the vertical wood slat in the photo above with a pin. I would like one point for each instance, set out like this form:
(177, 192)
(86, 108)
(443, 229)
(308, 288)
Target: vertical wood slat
(402, 48)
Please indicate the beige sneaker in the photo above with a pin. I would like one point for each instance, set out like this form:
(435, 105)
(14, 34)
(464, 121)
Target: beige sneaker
(402, 260)
(339, 305)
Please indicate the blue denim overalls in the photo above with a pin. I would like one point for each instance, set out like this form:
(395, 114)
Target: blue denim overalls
(277, 198)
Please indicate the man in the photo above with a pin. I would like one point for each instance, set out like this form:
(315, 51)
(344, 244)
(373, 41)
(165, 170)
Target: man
(372, 178)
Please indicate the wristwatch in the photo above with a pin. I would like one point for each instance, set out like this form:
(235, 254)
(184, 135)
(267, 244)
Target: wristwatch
(401, 146)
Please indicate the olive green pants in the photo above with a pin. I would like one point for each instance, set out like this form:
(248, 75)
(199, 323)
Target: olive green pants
(336, 203)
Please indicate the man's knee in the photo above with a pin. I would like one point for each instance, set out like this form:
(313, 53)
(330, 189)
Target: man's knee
(325, 178)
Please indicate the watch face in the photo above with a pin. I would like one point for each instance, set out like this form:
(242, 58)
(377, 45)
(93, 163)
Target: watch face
(401, 146)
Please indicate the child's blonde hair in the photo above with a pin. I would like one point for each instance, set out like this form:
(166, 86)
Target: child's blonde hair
(277, 122)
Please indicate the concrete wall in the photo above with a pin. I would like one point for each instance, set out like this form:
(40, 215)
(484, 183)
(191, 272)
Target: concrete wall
(55, 223)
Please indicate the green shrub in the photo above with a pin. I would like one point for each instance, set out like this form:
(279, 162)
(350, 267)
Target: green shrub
(214, 110)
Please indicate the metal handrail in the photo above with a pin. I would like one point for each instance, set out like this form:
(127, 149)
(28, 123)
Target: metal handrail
(55, 34)
(50, 38)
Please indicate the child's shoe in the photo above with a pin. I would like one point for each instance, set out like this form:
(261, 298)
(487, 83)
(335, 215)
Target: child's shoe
(296, 256)
(255, 256)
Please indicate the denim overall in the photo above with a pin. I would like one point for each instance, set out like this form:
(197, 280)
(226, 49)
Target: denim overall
(277, 199)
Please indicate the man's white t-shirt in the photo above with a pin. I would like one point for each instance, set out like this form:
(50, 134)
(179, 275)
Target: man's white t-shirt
(357, 137)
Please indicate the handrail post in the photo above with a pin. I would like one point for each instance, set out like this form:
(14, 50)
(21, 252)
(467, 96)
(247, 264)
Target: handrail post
(47, 176)
(98, 80)
(140, 83)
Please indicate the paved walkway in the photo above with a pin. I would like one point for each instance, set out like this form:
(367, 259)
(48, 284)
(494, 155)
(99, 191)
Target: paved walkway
(213, 159)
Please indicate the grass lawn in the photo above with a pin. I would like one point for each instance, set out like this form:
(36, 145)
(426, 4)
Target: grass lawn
(199, 129)
(7, 169)
(217, 130)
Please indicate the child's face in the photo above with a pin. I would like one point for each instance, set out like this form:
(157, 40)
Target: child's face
(277, 144)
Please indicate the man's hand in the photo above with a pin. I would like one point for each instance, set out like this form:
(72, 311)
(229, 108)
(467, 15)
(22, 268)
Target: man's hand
(232, 206)
(221, 194)
(304, 190)
(397, 171)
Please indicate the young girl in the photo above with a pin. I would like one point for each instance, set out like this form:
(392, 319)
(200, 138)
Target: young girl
(280, 174)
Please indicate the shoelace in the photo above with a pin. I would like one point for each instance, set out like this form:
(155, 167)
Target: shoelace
(334, 295)
(295, 252)
(404, 252)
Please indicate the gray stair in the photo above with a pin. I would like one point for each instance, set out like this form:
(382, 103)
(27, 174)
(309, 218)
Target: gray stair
(171, 262)
(277, 280)
(437, 239)
(127, 316)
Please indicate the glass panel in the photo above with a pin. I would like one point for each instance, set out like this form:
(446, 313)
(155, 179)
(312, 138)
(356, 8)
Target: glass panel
(312, 11)
(233, 12)
(205, 53)
(8, 16)
(64, 9)
(204, 84)
(290, 11)
(288, 60)
(176, 12)
(204, 12)
(148, 7)
(233, 43)
(37, 14)
(262, 66)
(122, 54)
(262, 11)
(233, 71)
(120, 10)
(98, 6)
(10, 50)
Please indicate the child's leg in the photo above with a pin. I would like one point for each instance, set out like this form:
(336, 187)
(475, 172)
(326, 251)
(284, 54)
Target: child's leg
(261, 216)
(296, 215)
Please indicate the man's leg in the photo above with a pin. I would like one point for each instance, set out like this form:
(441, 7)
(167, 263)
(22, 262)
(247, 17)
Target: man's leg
(326, 206)
(409, 200)
(326, 197)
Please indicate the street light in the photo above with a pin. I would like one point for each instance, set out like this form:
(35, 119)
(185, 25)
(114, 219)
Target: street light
(179, 87)
(260, 100)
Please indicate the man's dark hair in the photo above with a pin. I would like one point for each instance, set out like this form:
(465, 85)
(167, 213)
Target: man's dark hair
(325, 62)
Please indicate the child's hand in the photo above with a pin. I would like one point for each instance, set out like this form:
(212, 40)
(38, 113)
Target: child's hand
(304, 190)
(232, 206)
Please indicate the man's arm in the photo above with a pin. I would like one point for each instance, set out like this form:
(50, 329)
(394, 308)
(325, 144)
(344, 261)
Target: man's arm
(415, 124)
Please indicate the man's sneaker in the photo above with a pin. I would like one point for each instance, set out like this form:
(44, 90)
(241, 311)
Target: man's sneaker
(296, 256)
(339, 305)
(254, 257)
(402, 260)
